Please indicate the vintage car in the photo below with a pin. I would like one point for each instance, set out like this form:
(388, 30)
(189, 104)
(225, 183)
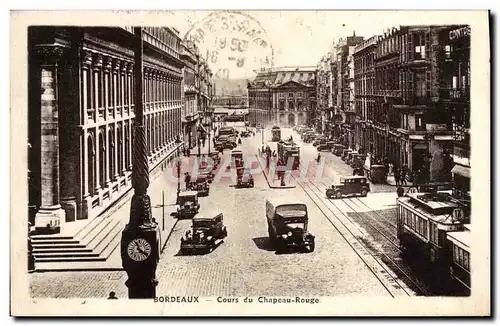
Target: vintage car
(325, 146)
(377, 173)
(205, 234)
(345, 154)
(188, 205)
(349, 186)
(356, 160)
(200, 185)
(350, 155)
(215, 157)
(319, 141)
(337, 149)
(287, 222)
(245, 133)
(244, 178)
(237, 157)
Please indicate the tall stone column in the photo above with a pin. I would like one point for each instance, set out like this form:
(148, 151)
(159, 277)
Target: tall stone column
(50, 214)
(69, 134)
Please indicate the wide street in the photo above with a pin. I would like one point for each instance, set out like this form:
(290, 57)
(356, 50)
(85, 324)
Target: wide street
(349, 257)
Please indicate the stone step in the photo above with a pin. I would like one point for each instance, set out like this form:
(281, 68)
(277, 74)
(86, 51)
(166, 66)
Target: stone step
(36, 242)
(57, 246)
(49, 237)
(47, 250)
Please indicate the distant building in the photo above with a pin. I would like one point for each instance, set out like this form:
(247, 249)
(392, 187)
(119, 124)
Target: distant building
(282, 96)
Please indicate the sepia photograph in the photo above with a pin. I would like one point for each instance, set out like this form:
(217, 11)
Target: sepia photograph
(246, 163)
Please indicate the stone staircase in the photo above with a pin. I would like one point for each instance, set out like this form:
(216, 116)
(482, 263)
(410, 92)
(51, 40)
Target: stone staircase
(86, 245)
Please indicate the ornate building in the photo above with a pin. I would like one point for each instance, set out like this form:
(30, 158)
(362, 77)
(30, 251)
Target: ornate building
(364, 95)
(198, 94)
(81, 112)
(293, 94)
(345, 104)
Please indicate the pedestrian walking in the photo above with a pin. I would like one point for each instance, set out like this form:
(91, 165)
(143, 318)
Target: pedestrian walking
(203, 142)
(396, 176)
(403, 175)
(187, 180)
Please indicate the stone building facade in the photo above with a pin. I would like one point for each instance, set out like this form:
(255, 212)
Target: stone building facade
(293, 94)
(419, 98)
(81, 115)
(345, 106)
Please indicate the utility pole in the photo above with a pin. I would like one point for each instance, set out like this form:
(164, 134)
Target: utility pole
(140, 243)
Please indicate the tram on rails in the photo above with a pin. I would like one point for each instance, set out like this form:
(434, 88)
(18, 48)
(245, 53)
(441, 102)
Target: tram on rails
(423, 222)
(460, 259)
(288, 150)
(276, 133)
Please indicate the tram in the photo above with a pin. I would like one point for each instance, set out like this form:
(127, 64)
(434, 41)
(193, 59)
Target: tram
(276, 133)
(460, 259)
(289, 150)
(423, 222)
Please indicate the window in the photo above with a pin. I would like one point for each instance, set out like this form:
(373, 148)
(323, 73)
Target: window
(433, 232)
(282, 105)
(290, 94)
(420, 84)
(461, 257)
(447, 51)
(419, 122)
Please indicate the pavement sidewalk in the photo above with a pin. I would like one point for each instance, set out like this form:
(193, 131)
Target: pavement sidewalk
(272, 179)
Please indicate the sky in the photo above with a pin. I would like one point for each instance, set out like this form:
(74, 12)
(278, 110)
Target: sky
(301, 38)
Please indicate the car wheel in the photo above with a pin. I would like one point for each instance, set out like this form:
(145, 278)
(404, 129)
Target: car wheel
(338, 194)
(311, 246)
(364, 192)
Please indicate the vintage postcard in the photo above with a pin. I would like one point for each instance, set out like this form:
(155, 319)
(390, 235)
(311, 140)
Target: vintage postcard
(250, 163)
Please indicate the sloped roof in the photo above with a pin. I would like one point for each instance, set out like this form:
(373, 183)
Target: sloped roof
(305, 78)
(280, 77)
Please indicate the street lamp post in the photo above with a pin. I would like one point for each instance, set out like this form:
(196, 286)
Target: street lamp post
(140, 242)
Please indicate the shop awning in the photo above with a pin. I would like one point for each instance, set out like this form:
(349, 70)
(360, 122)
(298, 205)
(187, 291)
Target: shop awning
(461, 170)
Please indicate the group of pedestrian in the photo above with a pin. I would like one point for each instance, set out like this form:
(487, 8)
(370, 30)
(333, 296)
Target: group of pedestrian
(400, 175)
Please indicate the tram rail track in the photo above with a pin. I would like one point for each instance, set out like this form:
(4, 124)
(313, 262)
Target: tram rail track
(352, 235)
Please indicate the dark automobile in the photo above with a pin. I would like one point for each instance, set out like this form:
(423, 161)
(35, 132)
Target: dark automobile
(245, 133)
(205, 234)
(200, 185)
(325, 146)
(215, 158)
(287, 223)
(188, 205)
(244, 178)
(338, 149)
(357, 185)
(237, 157)
(345, 154)
(377, 173)
(319, 141)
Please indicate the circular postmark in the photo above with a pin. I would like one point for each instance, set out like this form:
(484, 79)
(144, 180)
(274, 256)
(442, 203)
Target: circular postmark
(234, 44)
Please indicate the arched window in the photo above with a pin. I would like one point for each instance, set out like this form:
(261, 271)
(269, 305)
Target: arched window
(119, 144)
(91, 164)
(111, 153)
(102, 159)
(127, 148)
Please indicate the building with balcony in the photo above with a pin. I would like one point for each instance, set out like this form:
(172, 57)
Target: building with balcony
(293, 94)
(364, 93)
(345, 104)
(81, 115)
(326, 79)
(454, 71)
(198, 94)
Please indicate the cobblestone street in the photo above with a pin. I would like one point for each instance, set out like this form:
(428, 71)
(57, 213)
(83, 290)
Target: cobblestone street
(243, 264)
